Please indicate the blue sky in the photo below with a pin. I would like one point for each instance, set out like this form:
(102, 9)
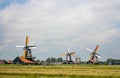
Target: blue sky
(54, 25)
(6, 3)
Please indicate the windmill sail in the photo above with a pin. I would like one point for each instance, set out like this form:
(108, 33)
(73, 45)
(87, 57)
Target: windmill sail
(96, 48)
(89, 50)
(68, 56)
(98, 56)
(27, 41)
(20, 46)
(94, 56)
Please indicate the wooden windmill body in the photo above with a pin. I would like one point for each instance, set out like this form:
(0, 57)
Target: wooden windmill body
(94, 56)
(68, 57)
(27, 50)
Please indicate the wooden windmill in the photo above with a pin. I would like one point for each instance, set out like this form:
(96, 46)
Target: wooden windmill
(68, 56)
(94, 55)
(27, 49)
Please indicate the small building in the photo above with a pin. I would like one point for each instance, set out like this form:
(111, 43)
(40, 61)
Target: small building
(9, 62)
(111, 61)
(3, 61)
(77, 60)
(22, 60)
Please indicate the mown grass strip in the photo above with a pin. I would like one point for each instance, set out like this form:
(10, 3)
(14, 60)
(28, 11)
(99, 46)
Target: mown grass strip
(58, 71)
(21, 75)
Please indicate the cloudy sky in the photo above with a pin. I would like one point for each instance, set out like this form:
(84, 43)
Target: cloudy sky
(54, 25)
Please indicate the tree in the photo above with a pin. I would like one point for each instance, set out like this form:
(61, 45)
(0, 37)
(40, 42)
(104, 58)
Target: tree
(52, 60)
(48, 60)
(59, 60)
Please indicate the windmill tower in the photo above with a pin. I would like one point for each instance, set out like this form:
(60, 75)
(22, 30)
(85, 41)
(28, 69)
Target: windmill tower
(94, 55)
(68, 57)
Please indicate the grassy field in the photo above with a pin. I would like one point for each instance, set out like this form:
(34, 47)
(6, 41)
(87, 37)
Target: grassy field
(60, 71)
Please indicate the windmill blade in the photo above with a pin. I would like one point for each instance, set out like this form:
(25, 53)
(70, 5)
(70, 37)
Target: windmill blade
(74, 56)
(68, 50)
(32, 47)
(20, 46)
(64, 54)
(98, 56)
(89, 50)
(72, 53)
(27, 40)
(96, 48)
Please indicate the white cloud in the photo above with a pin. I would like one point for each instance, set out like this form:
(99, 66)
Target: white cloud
(56, 23)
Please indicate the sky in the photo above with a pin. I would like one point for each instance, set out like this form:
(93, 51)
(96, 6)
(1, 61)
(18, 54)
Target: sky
(55, 25)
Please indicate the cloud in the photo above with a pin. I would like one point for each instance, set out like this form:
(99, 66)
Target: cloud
(55, 25)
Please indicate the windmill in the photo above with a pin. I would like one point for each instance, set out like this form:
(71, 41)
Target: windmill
(68, 56)
(27, 50)
(94, 56)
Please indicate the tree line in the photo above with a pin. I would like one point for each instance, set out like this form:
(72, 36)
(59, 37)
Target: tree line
(50, 60)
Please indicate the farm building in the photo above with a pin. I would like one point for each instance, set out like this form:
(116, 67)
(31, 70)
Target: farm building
(22, 60)
(9, 62)
(3, 61)
(111, 61)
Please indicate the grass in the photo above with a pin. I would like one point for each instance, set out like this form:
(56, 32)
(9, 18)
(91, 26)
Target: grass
(60, 71)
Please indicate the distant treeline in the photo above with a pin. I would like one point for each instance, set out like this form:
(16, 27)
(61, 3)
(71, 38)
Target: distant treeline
(52, 60)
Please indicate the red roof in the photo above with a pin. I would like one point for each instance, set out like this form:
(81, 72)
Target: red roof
(25, 60)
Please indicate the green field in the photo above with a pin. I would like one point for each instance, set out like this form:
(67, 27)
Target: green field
(60, 71)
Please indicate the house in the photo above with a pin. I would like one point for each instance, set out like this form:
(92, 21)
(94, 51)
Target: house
(9, 62)
(3, 61)
(111, 61)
